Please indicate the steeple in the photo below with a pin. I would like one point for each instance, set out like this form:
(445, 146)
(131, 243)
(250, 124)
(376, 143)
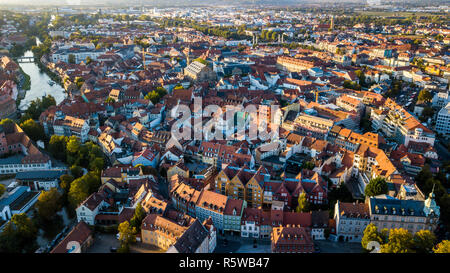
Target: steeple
(430, 205)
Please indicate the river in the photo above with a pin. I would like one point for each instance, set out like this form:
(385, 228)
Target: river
(39, 84)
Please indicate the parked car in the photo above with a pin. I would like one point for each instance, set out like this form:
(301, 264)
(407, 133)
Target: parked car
(113, 249)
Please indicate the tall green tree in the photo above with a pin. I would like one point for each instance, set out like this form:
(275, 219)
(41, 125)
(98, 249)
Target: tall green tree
(139, 215)
(34, 130)
(57, 147)
(79, 191)
(127, 236)
(76, 171)
(48, 204)
(303, 204)
(376, 186)
(73, 145)
(424, 241)
(425, 96)
(66, 180)
(19, 235)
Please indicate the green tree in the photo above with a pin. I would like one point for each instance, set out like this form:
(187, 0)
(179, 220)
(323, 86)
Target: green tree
(57, 147)
(47, 101)
(19, 235)
(371, 233)
(79, 191)
(76, 171)
(156, 95)
(139, 215)
(376, 186)
(92, 179)
(73, 145)
(48, 204)
(200, 60)
(97, 164)
(424, 241)
(442, 247)
(127, 236)
(425, 96)
(110, 100)
(66, 180)
(303, 204)
(400, 241)
(361, 77)
(34, 130)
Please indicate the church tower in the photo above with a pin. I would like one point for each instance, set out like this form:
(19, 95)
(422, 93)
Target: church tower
(430, 206)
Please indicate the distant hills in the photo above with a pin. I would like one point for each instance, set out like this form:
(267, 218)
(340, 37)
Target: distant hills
(193, 3)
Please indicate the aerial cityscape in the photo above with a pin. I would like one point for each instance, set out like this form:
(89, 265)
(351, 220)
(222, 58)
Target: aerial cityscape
(229, 127)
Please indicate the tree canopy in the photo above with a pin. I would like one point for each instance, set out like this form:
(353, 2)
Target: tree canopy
(371, 233)
(48, 204)
(139, 215)
(33, 130)
(376, 186)
(303, 204)
(442, 247)
(425, 96)
(19, 235)
(127, 236)
(400, 241)
(79, 191)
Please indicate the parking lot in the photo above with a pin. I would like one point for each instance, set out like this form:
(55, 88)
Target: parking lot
(103, 243)
(241, 245)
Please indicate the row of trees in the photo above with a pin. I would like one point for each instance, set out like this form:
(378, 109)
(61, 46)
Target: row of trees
(402, 241)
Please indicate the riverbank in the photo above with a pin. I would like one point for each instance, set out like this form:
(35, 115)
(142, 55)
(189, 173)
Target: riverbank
(40, 83)
(23, 86)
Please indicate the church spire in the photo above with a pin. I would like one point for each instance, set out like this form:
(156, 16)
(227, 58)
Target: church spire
(430, 205)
